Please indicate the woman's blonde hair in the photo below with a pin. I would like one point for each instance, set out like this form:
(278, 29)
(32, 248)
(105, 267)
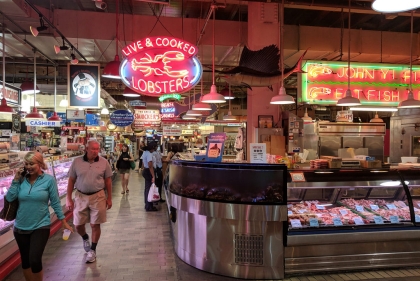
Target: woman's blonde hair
(36, 157)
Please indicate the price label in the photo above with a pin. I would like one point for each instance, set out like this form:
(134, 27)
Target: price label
(295, 223)
(343, 212)
(320, 207)
(358, 221)
(391, 206)
(374, 207)
(289, 213)
(359, 208)
(394, 219)
(302, 211)
(313, 222)
(378, 220)
(337, 221)
(417, 218)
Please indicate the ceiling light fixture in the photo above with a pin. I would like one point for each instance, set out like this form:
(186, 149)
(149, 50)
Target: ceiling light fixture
(35, 30)
(27, 88)
(64, 102)
(58, 49)
(112, 69)
(376, 119)
(104, 111)
(410, 102)
(4, 108)
(282, 97)
(73, 60)
(192, 112)
(213, 96)
(306, 117)
(229, 116)
(55, 117)
(128, 92)
(392, 6)
(227, 93)
(348, 99)
(34, 113)
(383, 109)
(100, 5)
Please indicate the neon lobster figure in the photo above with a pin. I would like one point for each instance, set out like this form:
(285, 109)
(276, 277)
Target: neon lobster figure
(160, 64)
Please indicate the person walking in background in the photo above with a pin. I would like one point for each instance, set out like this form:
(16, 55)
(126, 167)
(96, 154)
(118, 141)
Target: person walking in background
(141, 150)
(158, 170)
(34, 191)
(123, 167)
(90, 175)
(148, 175)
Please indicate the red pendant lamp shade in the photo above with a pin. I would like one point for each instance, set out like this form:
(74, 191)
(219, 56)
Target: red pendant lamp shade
(27, 87)
(112, 69)
(55, 117)
(4, 108)
(34, 114)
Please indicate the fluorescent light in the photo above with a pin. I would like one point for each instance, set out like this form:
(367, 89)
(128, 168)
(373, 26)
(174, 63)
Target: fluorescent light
(393, 6)
(392, 183)
(365, 108)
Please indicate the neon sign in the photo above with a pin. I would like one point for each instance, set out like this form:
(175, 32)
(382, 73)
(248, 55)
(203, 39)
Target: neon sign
(168, 110)
(374, 84)
(160, 65)
(169, 96)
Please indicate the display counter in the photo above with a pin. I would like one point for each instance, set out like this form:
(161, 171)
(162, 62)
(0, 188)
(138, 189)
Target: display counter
(228, 218)
(352, 219)
(8, 247)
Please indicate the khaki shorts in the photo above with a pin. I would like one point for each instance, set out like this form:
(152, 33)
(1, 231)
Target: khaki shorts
(89, 208)
(124, 171)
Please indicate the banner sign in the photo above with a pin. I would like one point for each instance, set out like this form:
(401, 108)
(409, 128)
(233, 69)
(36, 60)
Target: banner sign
(73, 114)
(146, 118)
(41, 123)
(373, 84)
(171, 131)
(83, 85)
(137, 103)
(122, 118)
(160, 65)
(11, 94)
(215, 147)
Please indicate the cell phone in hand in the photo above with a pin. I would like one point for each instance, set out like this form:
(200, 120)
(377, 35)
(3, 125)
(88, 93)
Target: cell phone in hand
(23, 174)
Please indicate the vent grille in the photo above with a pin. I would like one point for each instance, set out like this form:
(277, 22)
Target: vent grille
(249, 249)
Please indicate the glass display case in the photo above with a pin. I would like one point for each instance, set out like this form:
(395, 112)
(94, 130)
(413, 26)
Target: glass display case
(61, 171)
(359, 198)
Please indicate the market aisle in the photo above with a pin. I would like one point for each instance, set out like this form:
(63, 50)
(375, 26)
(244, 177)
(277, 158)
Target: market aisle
(137, 245)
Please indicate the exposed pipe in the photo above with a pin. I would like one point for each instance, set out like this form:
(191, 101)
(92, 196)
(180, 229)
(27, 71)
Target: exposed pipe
(50, 24)
(211, 10)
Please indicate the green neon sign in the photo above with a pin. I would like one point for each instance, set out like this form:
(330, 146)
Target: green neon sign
(169, 96)
(373, 84)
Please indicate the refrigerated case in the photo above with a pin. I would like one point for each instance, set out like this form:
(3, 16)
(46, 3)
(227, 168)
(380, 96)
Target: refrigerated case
(352, 219)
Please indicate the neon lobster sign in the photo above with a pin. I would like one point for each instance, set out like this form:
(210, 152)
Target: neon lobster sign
(374, 84)
(160, 65)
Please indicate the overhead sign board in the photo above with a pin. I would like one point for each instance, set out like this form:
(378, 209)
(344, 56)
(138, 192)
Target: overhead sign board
(83, 85)
(11, 94)
(160, 65)
(41, 123)
(121, 118)
(137, 103)
(146, 118)
(373, 84)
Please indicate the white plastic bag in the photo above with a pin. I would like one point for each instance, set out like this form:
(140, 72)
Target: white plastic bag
(153, 195)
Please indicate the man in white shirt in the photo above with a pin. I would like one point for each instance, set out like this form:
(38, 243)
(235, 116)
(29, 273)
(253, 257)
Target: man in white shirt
(157, 161)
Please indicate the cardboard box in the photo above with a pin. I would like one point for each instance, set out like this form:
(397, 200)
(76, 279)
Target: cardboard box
(278, 145)
(371, 164)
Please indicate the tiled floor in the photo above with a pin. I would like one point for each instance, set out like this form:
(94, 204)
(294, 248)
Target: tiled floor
(137, 245)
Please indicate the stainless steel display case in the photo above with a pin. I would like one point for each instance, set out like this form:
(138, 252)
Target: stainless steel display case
(352, 219)
(228, 218)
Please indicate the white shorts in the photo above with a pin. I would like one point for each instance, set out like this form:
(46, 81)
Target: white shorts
(89, 208)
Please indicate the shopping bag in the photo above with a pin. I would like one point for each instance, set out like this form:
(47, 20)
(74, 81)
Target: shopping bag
(9, 210)
(132, 165)
(153, 195)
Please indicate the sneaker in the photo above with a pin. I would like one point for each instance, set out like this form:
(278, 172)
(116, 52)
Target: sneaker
(86, 245)
(91, 256)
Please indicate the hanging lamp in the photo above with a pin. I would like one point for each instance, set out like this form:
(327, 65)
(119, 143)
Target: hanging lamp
(348, 99)
(34, 113)
(112, 69)
(229, 116)
(201, 105)
(410, 102)
(306, 117)
(376, 119)
(64, 102)
(4, 108)
(104, 111)
(188, 117)
(130, 93)
(227, 93)
(192, 112)
(213, 96)
(55, 117)
(282, 97)
(27, 88)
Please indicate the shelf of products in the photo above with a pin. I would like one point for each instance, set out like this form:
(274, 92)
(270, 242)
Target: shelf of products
(109, 143)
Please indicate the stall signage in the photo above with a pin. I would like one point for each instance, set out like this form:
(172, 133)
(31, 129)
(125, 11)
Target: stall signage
(168, 110)
(171, 131)
(258, 153)
(373, 84)
(170, 96)
(74, 114)
(146, 118)
(121, 118)
(10, 93)
(347, 114)
(137, 103)
(160, 65)
(41, 123)
(188, 132)
(215, 147)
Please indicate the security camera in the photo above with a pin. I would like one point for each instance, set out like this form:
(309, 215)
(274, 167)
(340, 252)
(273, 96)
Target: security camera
(100, 5)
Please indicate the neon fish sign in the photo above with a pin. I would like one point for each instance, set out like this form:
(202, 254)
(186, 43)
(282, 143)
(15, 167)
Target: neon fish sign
(160, 65)
(374, 84)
